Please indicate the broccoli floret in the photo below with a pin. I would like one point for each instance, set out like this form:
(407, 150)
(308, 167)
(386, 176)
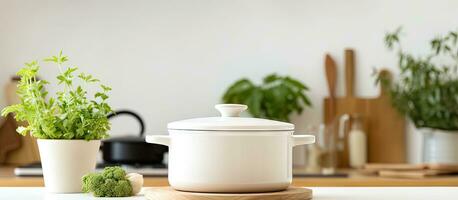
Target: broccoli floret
(122, 187)
(114, 173)
(90, 180)
(111, 182)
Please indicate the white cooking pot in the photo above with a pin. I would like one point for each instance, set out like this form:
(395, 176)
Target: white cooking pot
(230, 153)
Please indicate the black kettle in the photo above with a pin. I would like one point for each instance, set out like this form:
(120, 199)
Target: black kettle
(131, 149)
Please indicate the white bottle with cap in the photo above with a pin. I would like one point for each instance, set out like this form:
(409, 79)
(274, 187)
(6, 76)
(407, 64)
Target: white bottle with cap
(357, 143)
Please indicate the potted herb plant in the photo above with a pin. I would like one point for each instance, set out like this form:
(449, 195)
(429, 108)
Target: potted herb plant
(68, 126)
(427, 93)
(276, 98)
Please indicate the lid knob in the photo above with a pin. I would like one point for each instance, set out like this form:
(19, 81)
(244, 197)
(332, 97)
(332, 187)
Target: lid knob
(231, 110)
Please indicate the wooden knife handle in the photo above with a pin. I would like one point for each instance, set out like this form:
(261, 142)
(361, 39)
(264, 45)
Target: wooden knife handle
(349, 72)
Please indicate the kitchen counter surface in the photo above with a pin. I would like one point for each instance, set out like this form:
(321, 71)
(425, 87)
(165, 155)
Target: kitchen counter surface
(8, 179)
(319, 193)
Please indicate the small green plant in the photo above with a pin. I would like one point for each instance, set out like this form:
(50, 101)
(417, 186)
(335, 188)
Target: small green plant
(276, 98)
(427, 90)
(111, 182)
(69, 115)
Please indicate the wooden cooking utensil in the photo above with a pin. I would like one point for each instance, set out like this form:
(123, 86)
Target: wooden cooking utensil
(330, 113)
(384, 126)
(166, 193)
(331, 77)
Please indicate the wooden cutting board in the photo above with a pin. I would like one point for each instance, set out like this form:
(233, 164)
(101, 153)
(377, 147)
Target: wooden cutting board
(395, 166)
(409, 170)
(384, 126)
(167, 193)
(405, 166)
(28, 152)
(9, 139)
(414, 174)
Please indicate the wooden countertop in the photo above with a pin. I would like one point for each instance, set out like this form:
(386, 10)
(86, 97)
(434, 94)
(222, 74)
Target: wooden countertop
(319, 193)
(8, 179)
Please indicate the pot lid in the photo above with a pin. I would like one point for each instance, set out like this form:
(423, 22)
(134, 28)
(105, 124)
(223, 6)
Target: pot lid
(230, 120)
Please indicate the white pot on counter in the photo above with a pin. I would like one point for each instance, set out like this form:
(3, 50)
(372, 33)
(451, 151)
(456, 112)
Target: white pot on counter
(440, 146)
(230, 153)
(64, 162)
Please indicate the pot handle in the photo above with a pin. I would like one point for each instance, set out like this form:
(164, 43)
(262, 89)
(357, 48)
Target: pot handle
(158, 139)
(303, 139)
(131, 113)
(231, 110)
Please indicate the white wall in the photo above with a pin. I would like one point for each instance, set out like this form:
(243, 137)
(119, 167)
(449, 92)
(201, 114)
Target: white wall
(173, 59)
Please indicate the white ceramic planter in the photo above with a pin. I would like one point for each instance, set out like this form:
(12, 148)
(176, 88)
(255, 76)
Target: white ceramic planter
(64, 162)
(440, 146)
(230, 153)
